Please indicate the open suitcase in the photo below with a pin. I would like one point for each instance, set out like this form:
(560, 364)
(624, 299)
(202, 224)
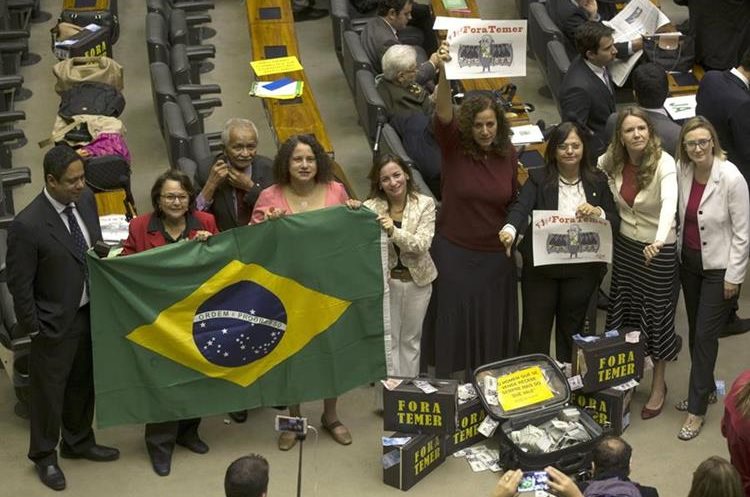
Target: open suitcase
(85, 12)
(529, 391)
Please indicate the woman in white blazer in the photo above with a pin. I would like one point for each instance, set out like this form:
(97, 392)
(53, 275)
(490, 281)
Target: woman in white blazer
(408, 219)
(714, 213)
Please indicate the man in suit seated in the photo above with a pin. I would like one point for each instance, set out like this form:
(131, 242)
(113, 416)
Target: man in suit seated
(724, 99)
(651, 88)
(390, 27)
(48, 278)
(586, 94)
(569, 15)
(247, 477)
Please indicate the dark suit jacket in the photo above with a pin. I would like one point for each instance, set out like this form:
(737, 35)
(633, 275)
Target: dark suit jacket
(586, 100)
(666, 129)
(223, 207)
(377, 37)
(725, 101)
(45, 273)
(537, 195)
(722, 31)
(568, 18)
(144, 232)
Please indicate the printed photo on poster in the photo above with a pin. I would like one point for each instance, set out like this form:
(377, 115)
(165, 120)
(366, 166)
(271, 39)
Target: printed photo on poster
(485, 49)
(561, 238)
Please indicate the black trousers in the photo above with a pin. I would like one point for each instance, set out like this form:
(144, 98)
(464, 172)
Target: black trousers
(62, 392)
(161, 437)
(559, 293)
(708, 313)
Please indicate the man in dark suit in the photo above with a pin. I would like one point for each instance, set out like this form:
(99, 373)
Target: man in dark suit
(651, 88)
(569, 15)
(231, 185)
(724, 99)
(48, 279)
(586, 94)
(721, 29)
(390, 27)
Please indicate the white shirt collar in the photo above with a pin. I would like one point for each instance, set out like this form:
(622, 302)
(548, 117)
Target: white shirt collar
(59, 207)
(393, 30)
(742, 77)
(598, 70)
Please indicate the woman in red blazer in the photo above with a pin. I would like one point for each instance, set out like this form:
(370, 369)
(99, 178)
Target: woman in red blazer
(173, 220)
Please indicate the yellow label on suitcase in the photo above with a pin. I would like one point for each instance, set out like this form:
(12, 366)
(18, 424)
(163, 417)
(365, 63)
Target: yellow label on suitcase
(88, 5)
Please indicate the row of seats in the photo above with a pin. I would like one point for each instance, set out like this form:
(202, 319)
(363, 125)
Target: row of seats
(360, 76)
(177, 55)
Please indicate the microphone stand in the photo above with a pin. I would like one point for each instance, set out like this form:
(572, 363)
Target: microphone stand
(301, 437)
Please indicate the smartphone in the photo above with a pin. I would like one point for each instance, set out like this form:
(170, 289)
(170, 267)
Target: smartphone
(291, 424)
(533, 481)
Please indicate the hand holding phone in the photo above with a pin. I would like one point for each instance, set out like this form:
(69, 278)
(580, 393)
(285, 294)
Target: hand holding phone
(531, 481)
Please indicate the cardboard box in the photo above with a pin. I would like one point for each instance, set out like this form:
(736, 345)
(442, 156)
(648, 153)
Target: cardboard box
(91, 41)
(417, 459)
(610, 408)
(408, 409)
(470, 416)
(607, 362)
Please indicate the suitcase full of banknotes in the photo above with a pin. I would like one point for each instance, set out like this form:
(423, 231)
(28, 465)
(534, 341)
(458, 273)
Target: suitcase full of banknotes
(538, 426)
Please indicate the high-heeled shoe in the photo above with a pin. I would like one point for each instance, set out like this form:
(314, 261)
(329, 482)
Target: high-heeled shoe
(647, 413)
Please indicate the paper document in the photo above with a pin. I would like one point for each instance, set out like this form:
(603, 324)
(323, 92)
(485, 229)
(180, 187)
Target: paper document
(529, 133)
(638, 18)
(114, 228)
(266, 89)
(680, 108)
(278, 65)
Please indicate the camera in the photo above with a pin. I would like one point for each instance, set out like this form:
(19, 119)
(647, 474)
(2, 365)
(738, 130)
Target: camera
(291, 424)
(533, 481)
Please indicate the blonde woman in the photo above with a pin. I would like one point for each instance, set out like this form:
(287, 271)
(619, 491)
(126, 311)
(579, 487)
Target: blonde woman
(714, 213)
(643, 181)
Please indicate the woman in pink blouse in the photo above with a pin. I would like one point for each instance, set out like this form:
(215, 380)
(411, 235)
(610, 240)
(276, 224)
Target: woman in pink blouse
(304, 182)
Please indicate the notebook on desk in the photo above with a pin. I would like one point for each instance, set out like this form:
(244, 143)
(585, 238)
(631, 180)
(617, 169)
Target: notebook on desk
(685, 79)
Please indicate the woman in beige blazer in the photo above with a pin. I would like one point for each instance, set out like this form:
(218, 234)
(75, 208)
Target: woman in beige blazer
(408, 219)
(713, 244)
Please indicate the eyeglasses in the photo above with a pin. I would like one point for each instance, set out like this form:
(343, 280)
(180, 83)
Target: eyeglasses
(565, 146)
(171, 198)
(701, 144)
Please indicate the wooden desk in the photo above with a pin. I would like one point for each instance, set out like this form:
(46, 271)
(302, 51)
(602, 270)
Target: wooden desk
(273, 36)
(676, 90)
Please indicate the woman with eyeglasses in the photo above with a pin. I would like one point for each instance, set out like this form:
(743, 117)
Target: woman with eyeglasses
(714, 212)
(643, 181)
(304, 183)
(558, 292)
(174, 219)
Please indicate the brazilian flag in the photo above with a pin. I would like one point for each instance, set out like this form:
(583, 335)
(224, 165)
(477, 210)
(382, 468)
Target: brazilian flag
(279, 313)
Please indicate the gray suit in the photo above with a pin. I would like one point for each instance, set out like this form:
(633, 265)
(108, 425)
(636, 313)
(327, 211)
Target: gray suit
(666, 129)
(377, 36)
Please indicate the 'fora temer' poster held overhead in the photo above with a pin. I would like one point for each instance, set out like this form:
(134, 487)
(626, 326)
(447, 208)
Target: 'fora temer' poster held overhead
(485, 49)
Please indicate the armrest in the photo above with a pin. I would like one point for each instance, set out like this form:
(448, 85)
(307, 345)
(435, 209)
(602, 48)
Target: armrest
(189, 6)
(199, 52)
(212, 137)
(206, 103)
(12, 116)
(14, 46)
(195, 19)
(15, 176)
(198, 90)
(13, 34)
(11, 135)
(10, 82)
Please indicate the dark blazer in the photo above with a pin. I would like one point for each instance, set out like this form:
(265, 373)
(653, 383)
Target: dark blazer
(666, 129)
(45, 273)
(722, 31)
(586, 100)
(537, 195)
(724, 100)
(144, 231)
(223, 207)
(568, 18)
(377, 37)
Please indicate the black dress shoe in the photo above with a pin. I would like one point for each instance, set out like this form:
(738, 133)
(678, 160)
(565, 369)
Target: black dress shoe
(736, 326)
(309, 14)
(162, 465)
(194, 445)
(239, 416)
(51, 475)
(98, 453)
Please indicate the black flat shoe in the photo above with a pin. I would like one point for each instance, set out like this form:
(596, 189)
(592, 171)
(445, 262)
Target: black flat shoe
(51, 475)
(194, 445)
(309, 14)
(98, 453)
(239, 416)
(162, 465)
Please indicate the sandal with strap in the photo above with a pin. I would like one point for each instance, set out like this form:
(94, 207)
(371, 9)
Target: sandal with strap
(683, 404)
(341, 436)
(686, 433)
